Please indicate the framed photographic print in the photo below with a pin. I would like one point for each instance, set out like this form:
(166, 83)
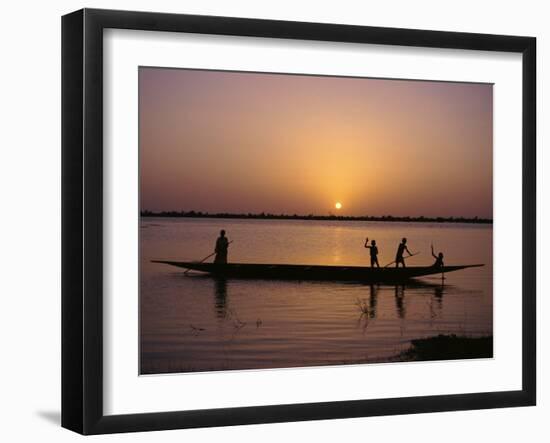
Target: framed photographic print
(269, 221)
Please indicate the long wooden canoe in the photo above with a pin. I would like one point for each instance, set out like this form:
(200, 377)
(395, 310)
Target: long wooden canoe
(313, 272)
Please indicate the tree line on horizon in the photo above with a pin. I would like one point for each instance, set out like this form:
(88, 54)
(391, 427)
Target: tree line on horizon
(269, 216)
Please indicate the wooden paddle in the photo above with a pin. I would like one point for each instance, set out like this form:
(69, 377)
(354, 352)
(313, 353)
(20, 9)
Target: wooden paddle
(207, 257)
(412, 255)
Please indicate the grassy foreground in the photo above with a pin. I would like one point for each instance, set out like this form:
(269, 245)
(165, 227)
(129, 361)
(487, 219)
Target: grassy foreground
(448, 347)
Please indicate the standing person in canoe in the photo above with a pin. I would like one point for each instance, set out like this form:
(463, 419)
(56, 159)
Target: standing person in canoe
(373, 252)
(438, 259)
(400, 251)
(222, 245)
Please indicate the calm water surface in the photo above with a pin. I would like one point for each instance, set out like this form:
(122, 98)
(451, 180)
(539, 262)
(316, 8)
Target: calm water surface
(196, 323)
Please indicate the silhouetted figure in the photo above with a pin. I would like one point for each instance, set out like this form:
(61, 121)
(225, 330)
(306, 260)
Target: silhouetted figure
(373, 252)
(221, 248)
(438, 259)
(400, 251)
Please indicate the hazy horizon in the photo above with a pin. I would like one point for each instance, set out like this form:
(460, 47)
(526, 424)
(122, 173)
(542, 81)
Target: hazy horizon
(235, 142)
(331, 214)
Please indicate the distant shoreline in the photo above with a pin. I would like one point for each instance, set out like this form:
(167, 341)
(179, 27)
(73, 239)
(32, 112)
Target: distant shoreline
(267, 216)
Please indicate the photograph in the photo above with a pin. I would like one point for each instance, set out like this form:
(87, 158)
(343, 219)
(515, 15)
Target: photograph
(300, 220)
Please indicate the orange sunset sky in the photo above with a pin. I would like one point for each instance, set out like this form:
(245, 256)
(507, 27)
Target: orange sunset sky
(217, 141)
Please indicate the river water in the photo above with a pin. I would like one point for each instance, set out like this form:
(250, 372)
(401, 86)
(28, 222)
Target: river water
(196, 323)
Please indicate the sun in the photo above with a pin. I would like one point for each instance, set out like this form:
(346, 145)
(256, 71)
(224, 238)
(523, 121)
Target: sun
(338, 205)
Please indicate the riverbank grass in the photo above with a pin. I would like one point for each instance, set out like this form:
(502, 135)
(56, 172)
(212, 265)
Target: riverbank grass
(448, 347)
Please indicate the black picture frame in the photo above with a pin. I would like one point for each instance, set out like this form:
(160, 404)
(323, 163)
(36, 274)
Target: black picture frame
(82, 219)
